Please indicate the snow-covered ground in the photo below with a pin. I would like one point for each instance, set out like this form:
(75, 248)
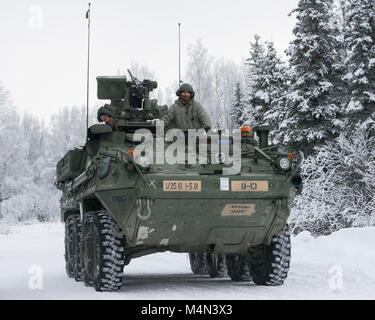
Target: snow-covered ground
(339, 266)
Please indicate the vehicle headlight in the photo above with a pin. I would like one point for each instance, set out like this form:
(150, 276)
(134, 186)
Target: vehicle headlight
(284, 163)
(143, 161)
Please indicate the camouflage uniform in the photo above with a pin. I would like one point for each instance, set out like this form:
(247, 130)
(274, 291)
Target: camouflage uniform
(188, 116)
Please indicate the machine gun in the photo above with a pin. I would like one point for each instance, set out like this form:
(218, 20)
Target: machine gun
(130, 101)
(137, 93)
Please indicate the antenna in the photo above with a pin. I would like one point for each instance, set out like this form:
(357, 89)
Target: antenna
(179, 54)
(88, 16)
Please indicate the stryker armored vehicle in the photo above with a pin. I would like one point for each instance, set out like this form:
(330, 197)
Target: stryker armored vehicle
(118, 204)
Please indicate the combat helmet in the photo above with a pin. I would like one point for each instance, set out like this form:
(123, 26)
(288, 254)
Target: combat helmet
(105, 110)
(186, 87)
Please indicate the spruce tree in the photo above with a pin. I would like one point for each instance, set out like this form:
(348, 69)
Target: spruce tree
(255, 97)
(359, 34)
(238, 107)
(274, 80)
(313, 100)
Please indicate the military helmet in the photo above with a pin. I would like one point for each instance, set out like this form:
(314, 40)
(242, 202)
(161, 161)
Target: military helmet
(186, 87)
(105, 110)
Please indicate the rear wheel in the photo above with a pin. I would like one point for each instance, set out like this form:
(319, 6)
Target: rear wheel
(238, 268)
(216, 265)
(103, 253)
(69, 247)
(72, 247)
(269, 265)
(198, 263)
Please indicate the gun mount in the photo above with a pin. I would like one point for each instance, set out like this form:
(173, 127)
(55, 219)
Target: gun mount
(131, 104)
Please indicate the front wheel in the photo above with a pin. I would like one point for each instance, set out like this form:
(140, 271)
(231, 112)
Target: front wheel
(103, 253)
(72, 247)
(269, 264)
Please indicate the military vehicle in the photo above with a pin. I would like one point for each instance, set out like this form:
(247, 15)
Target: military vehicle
(118, 205)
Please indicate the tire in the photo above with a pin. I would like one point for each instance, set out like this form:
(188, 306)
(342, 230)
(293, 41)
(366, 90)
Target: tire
(69, 247)
(198, 263)
(216, 265)
(103, 253)
(269, 265)
(87, 249)
(238, 268)
(72, 248)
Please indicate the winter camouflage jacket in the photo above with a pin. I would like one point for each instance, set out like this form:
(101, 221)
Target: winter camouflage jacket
(190, 116)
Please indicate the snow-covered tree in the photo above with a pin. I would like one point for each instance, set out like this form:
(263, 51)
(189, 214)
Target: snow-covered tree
(237, 107)
(256, 98)
(199, 75)
(12, 148)
(359, 33)
(6, 107)
(26, 172)
(339, 186)
(275, 79)
(141, 71)
(225, 76)
(213, 81)
(314, 98)
(68, 128)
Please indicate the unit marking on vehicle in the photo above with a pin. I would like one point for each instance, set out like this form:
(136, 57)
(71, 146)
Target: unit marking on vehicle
(182, 186)
(250, 186)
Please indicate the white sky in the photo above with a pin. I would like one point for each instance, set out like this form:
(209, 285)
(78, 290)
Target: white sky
(43, 43)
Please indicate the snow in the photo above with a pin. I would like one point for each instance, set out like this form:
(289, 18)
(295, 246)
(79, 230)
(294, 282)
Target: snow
(338, 266)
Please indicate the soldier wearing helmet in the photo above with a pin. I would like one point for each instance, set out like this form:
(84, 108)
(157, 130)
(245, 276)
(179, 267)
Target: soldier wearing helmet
(186, 112)
(106, 115)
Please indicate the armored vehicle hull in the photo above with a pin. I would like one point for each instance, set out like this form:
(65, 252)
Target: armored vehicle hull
(117, 208)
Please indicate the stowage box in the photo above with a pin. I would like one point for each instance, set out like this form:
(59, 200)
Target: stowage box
(70, 166)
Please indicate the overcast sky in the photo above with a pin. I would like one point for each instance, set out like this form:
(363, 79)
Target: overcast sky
(43, 43)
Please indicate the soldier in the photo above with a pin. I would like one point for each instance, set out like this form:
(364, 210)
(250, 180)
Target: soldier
(186, 112)
(105, 114)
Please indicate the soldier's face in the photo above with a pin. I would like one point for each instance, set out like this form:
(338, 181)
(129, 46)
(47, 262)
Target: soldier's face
(106, 119)
(185, 95)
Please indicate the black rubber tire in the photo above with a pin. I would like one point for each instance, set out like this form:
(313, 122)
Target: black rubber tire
(238, 268)
(269, 265)
(198, 263)
(216, 265)
(87, 249)
(72, 247)
(69, 247)
(102, 252)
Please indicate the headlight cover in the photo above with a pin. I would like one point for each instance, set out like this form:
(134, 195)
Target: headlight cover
(284, 163)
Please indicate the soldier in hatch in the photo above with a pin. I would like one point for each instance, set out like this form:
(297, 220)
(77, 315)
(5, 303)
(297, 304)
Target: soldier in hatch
(106, 115)
(186, 112)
